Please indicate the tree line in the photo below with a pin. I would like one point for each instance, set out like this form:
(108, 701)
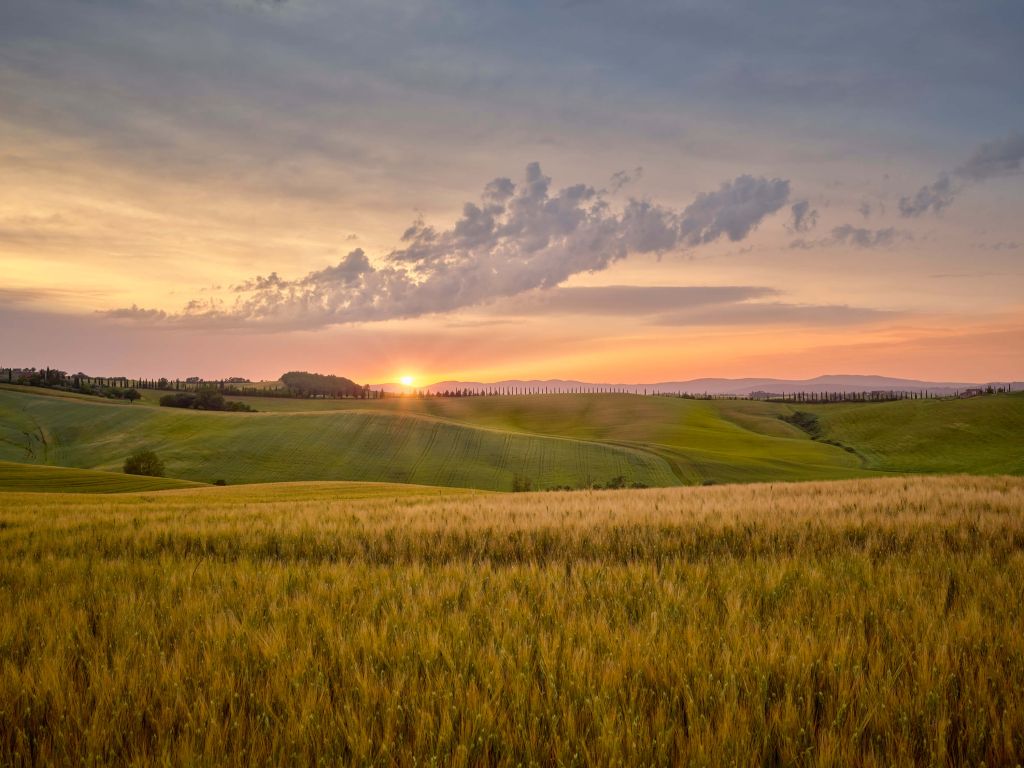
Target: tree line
(305, 384)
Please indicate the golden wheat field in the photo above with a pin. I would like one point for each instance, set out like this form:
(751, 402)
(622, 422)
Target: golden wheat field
(868, 622)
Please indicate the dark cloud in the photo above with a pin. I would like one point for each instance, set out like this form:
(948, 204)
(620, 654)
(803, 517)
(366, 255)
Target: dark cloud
(347, 272)
(868, 238)
(804, 217)
(517, 238)
(620, 179)
(1001, 245)
(1002, 157)
(934, 197)
(868, 209)
(733, 210)
(847, 234)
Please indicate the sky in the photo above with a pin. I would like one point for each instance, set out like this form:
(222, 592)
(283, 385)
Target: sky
(479, 190)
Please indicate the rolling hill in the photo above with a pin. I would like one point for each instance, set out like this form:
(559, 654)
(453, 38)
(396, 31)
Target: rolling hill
(340, 445)
(43, 478)
(983, 435)
(554, 440)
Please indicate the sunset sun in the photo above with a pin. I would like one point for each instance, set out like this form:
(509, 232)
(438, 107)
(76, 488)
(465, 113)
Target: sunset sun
(406, 381)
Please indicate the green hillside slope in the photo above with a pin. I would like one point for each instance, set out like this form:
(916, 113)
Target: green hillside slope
(268, 447)
(36, 477)
(982, 435)
(718, 440)
(483, 442)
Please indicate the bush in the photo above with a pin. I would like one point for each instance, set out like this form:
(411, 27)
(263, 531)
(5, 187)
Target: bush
(206, 400)
(178, 400)
(220, 482)
(209, 400)
(521, 484)
(808, 422)
(143, 462)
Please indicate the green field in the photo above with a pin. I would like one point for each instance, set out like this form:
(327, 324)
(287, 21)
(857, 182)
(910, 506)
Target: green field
(484, 442)
(868, 622)
(341, 445)
(981, 434)
(36, 477)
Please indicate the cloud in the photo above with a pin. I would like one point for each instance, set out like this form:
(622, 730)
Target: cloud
(518, 237)
(685, 306)
(868, 238)
(47, 296)
(733, 210)
(934, 197)
(776, 313)
(636, 300)
(133, 313)
(867, 209)
(860, 237)
(1001, 157)
(1002, 245)
(804, 217)
(620, 179)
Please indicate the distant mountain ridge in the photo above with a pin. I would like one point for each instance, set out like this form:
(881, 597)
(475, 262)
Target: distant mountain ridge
(713, 386)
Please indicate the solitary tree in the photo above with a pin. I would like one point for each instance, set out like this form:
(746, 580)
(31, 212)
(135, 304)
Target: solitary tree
(132, 395)
(143, 462)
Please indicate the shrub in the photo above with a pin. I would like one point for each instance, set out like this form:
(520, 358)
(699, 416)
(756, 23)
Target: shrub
(178, 400)
(521, 484)
(143, 462)
(808, 422)
(206, 400)
(209, 400)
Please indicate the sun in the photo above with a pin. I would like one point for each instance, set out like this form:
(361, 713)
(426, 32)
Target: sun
(406, 381)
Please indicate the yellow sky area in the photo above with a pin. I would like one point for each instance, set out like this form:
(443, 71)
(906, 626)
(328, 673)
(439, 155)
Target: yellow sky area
(937, 347)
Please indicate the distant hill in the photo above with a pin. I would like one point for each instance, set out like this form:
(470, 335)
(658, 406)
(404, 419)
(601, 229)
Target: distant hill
(739, 387)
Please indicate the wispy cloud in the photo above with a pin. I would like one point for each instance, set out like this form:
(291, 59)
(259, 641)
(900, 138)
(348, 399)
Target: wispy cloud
(804, 217)
(134, 313)
(1002, 157)
(627, 300)
(776, 313)
(859, 237)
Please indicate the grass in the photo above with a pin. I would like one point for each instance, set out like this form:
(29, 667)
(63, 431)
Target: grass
(40, 478)
(867, 622)
(554, 440)
(744, 440)
(980, 434)
(345, 445)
